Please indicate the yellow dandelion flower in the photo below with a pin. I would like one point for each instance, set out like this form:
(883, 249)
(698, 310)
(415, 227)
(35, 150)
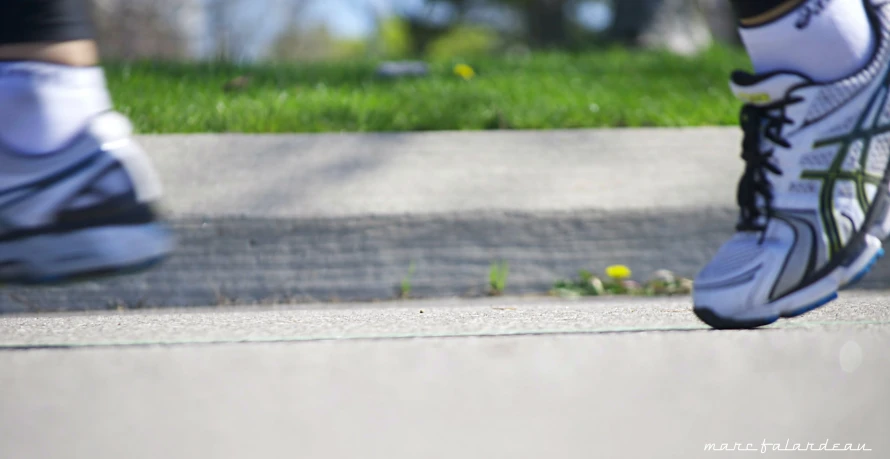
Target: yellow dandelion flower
(464, 71)
(618, 272)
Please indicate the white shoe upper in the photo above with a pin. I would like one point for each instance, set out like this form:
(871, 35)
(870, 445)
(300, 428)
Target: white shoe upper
(816, 156)
(102, 164)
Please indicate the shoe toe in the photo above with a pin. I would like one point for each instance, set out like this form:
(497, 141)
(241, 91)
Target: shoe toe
(737, 284)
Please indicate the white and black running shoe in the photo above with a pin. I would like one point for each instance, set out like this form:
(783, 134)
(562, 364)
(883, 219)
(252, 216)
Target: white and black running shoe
(813, 196)
(83, 211)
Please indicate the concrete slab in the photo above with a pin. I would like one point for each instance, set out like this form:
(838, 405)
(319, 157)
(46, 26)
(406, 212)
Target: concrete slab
(604, 381)
(293, 218)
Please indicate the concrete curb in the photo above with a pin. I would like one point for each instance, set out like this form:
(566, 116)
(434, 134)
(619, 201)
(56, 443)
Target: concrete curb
(342, 217)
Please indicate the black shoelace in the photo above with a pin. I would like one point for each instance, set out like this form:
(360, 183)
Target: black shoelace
(758, 123)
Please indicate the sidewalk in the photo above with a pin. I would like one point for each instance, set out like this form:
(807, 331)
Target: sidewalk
(343, 216)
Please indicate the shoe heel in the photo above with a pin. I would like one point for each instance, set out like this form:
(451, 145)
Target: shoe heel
(881, 226)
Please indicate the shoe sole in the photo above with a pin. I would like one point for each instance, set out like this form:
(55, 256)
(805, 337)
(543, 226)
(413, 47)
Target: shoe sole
(83, 255)
(709, 317)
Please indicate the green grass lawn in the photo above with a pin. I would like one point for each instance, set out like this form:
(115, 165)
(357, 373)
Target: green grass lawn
(542, 91)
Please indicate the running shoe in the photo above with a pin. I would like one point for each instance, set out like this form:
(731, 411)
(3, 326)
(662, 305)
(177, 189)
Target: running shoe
(813, 196)
(84, 211)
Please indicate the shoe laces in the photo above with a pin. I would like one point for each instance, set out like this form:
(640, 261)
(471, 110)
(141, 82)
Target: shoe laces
(760, 122)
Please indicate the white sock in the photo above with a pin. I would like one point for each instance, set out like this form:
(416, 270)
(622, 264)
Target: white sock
(823, 39)
(44, 106)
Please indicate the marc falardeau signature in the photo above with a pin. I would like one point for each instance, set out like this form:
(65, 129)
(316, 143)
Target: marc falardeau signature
(765, 446)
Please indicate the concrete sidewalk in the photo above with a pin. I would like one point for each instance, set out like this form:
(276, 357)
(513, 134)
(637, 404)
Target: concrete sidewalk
(289, 218)
(488, 378)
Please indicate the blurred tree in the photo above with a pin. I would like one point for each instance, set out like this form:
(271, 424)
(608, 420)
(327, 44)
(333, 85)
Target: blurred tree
(314, 44)
(422, 33)
(394, 38)
(431, 21)
(297, 43)
(546, 22)
(139, 29)
(683, 26)
(722, 21)
(234, 29)
(678, 25)
(463, 41)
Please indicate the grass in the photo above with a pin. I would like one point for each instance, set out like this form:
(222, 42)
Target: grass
(497, 278)
(405, 286)
(662, 283)
(606, 88)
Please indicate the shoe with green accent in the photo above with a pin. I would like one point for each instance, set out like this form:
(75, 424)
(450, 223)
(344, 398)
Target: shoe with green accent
(814, 194)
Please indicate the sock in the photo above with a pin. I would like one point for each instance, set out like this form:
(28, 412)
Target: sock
(823, 39)
(44, 106)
